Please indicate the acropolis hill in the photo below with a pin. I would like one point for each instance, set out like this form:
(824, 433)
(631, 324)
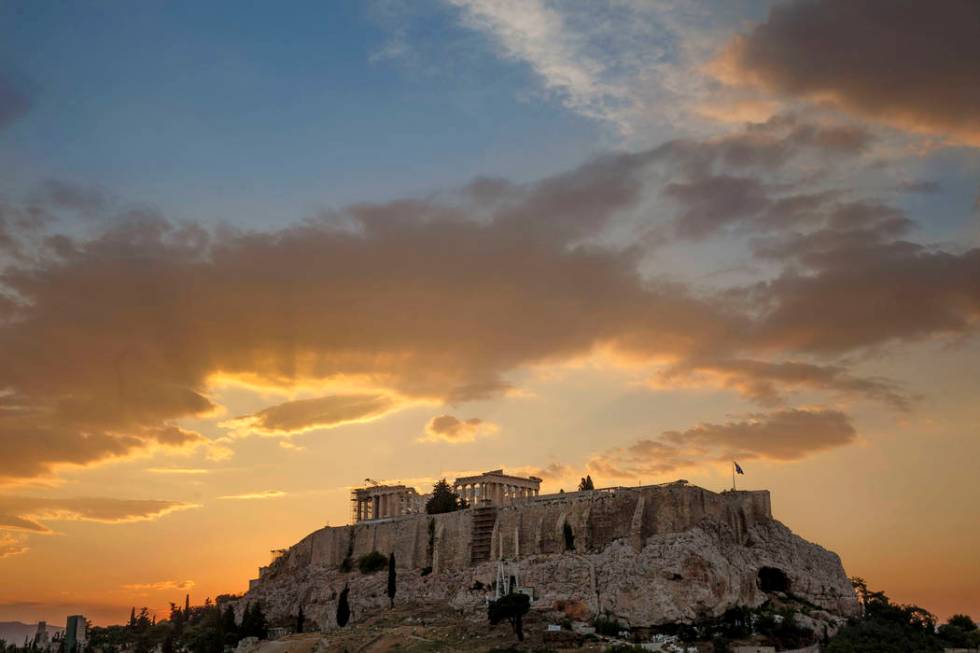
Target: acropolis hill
(647, 555)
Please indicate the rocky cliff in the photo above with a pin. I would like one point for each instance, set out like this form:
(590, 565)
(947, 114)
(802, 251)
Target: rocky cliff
(649, 555)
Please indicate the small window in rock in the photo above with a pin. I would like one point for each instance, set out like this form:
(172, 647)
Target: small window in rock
(772, 579)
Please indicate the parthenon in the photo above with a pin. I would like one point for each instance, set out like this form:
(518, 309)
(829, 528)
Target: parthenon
(496, 487)
(493, 487)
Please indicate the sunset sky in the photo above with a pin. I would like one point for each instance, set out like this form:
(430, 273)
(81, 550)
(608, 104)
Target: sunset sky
(254, 253)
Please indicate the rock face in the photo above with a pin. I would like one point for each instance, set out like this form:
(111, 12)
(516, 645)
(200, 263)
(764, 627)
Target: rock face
(650, 555)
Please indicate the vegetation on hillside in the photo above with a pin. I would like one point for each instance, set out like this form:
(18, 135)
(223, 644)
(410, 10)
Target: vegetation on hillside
(512, 608)
(887, 627)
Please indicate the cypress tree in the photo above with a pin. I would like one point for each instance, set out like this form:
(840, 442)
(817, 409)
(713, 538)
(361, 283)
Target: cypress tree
(392, 580)
(300, 620)
(132, 617)
(343, 607)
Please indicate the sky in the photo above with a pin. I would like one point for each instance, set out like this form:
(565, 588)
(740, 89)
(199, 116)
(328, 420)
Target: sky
(253, 254)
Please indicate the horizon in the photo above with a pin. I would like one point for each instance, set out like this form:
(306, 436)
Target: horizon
(254, 257)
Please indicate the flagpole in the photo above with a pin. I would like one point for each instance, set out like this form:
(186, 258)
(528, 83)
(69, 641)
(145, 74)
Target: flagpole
(733, 476)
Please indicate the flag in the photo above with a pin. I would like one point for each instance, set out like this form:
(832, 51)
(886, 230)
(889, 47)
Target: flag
(737, 468)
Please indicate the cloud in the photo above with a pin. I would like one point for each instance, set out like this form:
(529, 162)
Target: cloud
(861, 293)
(909, 64)
(21, 513)
(252, 496)
(442, 299)
(323, 412)
(767, 382)
(924, 186)
(14, 102)
(447, 428)
(64, 194)
(39, 442)
(182, 471)
(785, 435)
(160, 586)
(633, 67)
(12, 544)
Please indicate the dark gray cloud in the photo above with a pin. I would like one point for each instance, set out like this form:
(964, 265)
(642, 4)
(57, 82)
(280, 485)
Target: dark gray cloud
(905, 62)
(768, 383)
(64, 194)
(924, 186)
(784, 435)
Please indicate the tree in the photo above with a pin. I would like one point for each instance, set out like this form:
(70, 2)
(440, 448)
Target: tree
(229, 627)
(132, 617)
(962, 621)
(586, 484)
(371, 562)
(443, 499)
(254, 622)
(300, 620)
(343, 607)
(143, 621)
(511, 607)
(392, 579)
(566, 531)
(959, 631)
(886, 627)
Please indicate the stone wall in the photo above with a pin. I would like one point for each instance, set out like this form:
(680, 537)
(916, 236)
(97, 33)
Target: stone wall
(535, 526)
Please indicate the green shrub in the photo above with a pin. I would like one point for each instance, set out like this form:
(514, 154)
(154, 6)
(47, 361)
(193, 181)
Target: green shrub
(606, 625)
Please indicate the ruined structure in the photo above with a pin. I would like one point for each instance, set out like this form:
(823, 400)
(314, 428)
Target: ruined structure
(383, 501)
(496, 487)
(379, 501)
(647, 555)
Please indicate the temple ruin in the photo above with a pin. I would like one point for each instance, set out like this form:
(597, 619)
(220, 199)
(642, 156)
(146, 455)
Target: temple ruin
(496, 488)
(379, 501)
(383, 501)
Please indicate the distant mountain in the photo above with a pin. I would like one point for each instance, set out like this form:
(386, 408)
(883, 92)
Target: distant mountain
(14, 632)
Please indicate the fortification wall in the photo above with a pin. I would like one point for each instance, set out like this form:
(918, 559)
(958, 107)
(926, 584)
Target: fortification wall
(648, 555)
(596, 519)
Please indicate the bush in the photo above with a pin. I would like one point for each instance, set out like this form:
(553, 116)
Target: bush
(425, 571)
(511, 608)
(606, 625)
(371, 562)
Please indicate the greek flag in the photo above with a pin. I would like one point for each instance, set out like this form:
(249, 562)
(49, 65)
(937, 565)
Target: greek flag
(737, 468)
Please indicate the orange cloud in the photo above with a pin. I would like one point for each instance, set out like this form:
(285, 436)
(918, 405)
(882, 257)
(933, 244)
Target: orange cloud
(447, 428)
(913, 65)
(160, 586)
(20, 513)
(12, 544)
(323, 412)
(252, 496)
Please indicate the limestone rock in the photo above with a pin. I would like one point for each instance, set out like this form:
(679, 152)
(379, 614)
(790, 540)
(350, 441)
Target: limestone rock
(666, 556)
